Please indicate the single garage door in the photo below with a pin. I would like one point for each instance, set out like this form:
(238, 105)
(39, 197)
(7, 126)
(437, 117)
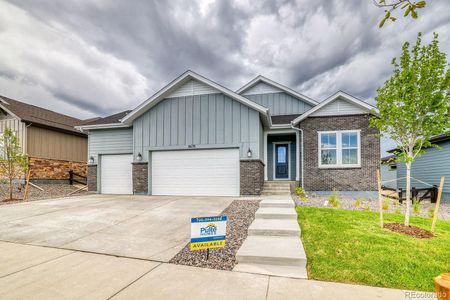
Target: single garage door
(196, 172)
(116, 177)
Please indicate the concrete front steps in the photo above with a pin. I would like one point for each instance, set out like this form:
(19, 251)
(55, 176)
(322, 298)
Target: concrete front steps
(282, 188)
(273, 245)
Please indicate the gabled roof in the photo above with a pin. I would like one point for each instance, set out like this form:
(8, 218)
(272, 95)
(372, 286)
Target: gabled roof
(112, 121)
(40, 116)
(283, 88)
(179, 81)
(336, 96)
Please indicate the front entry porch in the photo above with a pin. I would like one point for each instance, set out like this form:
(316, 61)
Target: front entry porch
(281, 156)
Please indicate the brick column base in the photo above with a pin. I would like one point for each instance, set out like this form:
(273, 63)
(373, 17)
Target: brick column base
(140, 178)
(92, 178)
(252, 177)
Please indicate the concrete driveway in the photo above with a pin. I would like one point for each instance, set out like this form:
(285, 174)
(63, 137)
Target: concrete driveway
(147, 227)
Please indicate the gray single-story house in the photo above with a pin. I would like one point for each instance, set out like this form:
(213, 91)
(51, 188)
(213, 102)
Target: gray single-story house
(428, 168)
(196, 137)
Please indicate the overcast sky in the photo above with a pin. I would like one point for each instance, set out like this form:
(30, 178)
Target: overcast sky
(88, 58)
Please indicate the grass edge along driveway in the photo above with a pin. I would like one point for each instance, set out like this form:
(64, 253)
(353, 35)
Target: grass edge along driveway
(349, 246)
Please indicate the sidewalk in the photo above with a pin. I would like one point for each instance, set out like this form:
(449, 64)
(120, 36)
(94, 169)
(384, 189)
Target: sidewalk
(31, 272)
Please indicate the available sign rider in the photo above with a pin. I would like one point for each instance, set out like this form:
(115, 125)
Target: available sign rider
(208, 232)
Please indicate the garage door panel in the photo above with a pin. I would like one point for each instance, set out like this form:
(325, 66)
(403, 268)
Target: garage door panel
(196, 172)
(116, 174)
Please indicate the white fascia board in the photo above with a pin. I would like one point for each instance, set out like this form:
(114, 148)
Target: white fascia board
(101, 126)
(332, 98)
(2, 105)
(285, 89)
(161, 94)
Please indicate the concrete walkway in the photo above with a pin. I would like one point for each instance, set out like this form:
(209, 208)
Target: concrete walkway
(273, 245)
(35, 272)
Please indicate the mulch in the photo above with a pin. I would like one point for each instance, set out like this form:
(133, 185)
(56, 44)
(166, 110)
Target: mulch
(241, 214)
(409, 230)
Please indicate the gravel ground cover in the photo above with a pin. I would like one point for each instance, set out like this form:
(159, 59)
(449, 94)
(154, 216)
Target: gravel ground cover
(241, 214)
(393, 206)
(50, 191)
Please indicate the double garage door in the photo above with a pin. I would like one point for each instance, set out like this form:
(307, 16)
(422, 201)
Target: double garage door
(191, 173)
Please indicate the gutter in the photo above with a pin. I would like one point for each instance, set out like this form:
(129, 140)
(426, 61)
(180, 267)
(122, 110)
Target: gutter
(301, 145)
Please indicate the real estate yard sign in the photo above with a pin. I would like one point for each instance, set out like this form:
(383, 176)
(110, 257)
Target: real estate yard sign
(208, 232)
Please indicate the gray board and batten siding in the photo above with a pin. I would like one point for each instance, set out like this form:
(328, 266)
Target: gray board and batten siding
(110, 141)
(206, 121)
(280, 103)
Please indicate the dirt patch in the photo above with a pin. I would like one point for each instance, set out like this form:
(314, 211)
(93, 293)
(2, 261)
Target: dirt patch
(409, 230)
(241, 214)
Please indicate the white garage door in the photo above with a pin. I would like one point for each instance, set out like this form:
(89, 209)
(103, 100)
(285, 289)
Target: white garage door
(116, 177)
(196, 172)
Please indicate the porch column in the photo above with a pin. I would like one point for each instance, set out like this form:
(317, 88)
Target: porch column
(297, 155)
(265, 157)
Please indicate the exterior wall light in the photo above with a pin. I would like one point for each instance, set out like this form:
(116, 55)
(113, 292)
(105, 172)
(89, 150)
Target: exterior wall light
(249, 153)
(91, 160)
(139, 157)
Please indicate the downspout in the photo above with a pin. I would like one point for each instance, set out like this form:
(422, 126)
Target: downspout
(301, 149)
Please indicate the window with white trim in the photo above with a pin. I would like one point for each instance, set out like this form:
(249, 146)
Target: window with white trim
(339, 149)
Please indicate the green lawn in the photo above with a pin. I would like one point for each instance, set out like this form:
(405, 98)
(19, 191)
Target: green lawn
(349, 246)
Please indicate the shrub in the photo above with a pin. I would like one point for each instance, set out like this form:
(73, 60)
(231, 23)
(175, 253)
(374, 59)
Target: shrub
(301, 194)
(357, 202)
(385, 204)
(416, 206)
(398, 211)
(367, 208)
(431, 212)
(334, 200)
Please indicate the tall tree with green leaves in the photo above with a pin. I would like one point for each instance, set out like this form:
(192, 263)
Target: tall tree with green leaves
(13, 162)
(413, 104)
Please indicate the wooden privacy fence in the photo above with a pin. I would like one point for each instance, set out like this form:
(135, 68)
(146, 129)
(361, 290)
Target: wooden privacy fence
(430, 193)
(78, 178)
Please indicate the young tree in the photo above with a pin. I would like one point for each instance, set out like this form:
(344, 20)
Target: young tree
(413, 103)
(13, 162)
(409, 7)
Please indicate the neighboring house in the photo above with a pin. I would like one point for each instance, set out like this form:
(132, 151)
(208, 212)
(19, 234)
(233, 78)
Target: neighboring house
(429, 167)
(196, 137)
(49, 138)
(389, 172)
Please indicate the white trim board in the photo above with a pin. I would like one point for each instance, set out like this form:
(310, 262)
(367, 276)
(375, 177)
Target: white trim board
(367, 108)
(274, 84)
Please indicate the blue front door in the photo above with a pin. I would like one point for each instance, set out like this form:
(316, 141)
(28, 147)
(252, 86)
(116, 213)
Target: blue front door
(281, 161)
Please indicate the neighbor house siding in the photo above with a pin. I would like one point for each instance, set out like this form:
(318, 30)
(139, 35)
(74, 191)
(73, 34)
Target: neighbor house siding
(46, 143)
(280, 103)
(212, 120)
(429, 168)
(110, 141)
(16, 126)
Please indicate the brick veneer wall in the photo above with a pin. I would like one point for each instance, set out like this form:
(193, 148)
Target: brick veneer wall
(92, 178)
(252, 177)
(43, 168)
(343, 179)
(140, 178)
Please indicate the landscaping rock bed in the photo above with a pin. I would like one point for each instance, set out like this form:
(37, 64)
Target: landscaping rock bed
(409, 230)
(240, 215)
(49, 191)
(352, 203)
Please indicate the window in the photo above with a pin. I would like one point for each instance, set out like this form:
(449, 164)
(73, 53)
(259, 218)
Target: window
(339, 149)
